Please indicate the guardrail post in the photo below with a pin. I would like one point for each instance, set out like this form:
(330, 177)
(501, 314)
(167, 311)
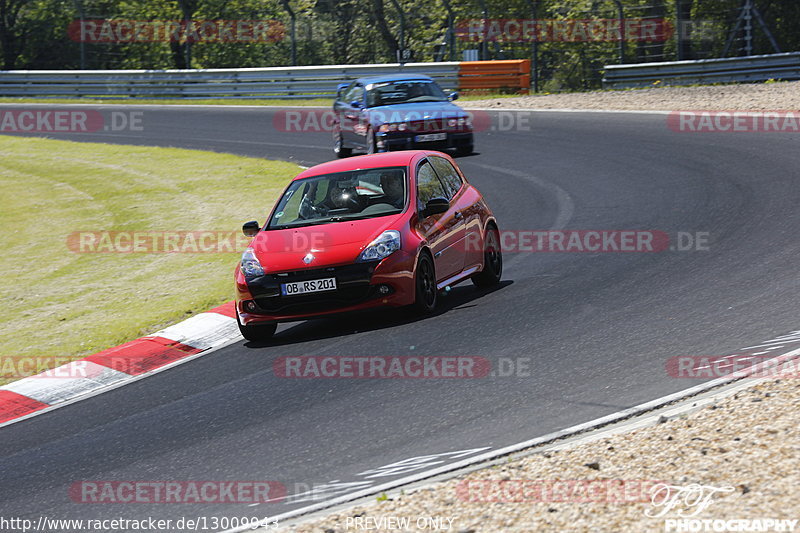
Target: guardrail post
(451, 31)
(621, 11)
(484, 43)
(82, 16)
(402, 40)
(292, 29)
(534, 6)
(681, 55)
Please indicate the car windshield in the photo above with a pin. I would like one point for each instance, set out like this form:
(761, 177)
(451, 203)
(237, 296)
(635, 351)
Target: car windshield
(351, 195)
(401, 92)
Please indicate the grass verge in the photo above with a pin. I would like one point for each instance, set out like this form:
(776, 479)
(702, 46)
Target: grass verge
(59, 303)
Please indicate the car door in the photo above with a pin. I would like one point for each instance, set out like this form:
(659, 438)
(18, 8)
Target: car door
(466, 218)
(353, 116)
(341, 106)
(442, 230)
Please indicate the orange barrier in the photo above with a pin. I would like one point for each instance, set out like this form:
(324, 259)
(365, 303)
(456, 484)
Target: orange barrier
(506, 74)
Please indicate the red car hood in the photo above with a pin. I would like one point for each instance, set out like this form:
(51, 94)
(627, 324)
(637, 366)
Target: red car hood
(331, 244)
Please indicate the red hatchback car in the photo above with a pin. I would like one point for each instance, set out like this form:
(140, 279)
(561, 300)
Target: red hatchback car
(383, 230)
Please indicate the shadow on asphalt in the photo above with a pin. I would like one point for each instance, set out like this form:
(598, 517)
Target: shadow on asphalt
(372, 320)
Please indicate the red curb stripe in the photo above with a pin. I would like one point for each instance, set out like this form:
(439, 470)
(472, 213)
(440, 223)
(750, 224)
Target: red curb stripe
(13, 405)
(133, 358)
(226, 309)
(142, 355)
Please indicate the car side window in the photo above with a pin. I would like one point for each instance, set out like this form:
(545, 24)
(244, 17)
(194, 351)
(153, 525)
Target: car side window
(448, 175)
(354, 93)
(342, 97)
(428, 185)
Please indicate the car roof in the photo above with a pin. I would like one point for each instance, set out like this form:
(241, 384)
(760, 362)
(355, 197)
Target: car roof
(401, 158)
(394, 77)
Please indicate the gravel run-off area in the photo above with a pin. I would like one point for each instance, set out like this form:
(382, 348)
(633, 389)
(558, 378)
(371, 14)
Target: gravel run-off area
(745, 449)
(780, 96)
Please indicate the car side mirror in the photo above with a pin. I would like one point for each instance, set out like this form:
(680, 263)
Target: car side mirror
(453, 96)
(356, 104)
(435, 206)
(250, 229)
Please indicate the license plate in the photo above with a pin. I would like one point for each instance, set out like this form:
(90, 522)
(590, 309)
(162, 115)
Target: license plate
(431, 137)
(305, 287)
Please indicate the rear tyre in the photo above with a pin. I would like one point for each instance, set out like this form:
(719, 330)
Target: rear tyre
(257, 333)
(492, 261)
(425, 282)
(338, 145)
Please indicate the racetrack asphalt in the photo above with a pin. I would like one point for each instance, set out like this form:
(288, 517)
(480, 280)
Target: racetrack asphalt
(595, 329)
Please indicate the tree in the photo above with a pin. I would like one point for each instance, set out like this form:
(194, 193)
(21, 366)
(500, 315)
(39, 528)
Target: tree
(11, 38)
(379, 16)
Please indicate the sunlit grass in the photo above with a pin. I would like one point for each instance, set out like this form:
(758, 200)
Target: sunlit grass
(61, 303)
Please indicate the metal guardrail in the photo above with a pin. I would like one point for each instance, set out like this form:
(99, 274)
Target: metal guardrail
(737, 69)
(272, 82)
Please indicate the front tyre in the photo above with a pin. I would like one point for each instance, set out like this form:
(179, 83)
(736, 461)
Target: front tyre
(256, 332)
(427, 294)
(492, 261)
(370, 141)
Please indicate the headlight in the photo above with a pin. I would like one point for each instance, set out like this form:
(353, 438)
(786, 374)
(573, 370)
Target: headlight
(251, 267)
(386, 244)
(393, 126)
(452, 123)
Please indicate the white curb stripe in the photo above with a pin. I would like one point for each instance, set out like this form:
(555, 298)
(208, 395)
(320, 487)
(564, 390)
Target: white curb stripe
(53, 390)
(203, 331)
(206, 332)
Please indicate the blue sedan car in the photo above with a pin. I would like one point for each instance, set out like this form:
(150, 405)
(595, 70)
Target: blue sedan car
(398, 112)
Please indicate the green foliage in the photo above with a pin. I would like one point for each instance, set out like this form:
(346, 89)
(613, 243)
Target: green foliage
(34, 35)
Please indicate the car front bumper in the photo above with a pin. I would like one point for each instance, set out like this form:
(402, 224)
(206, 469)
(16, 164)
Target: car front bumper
(407, 141)
(358, 287)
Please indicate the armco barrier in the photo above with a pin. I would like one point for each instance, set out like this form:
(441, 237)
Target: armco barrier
(273, 82)
(508, 74)
(736, 69)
